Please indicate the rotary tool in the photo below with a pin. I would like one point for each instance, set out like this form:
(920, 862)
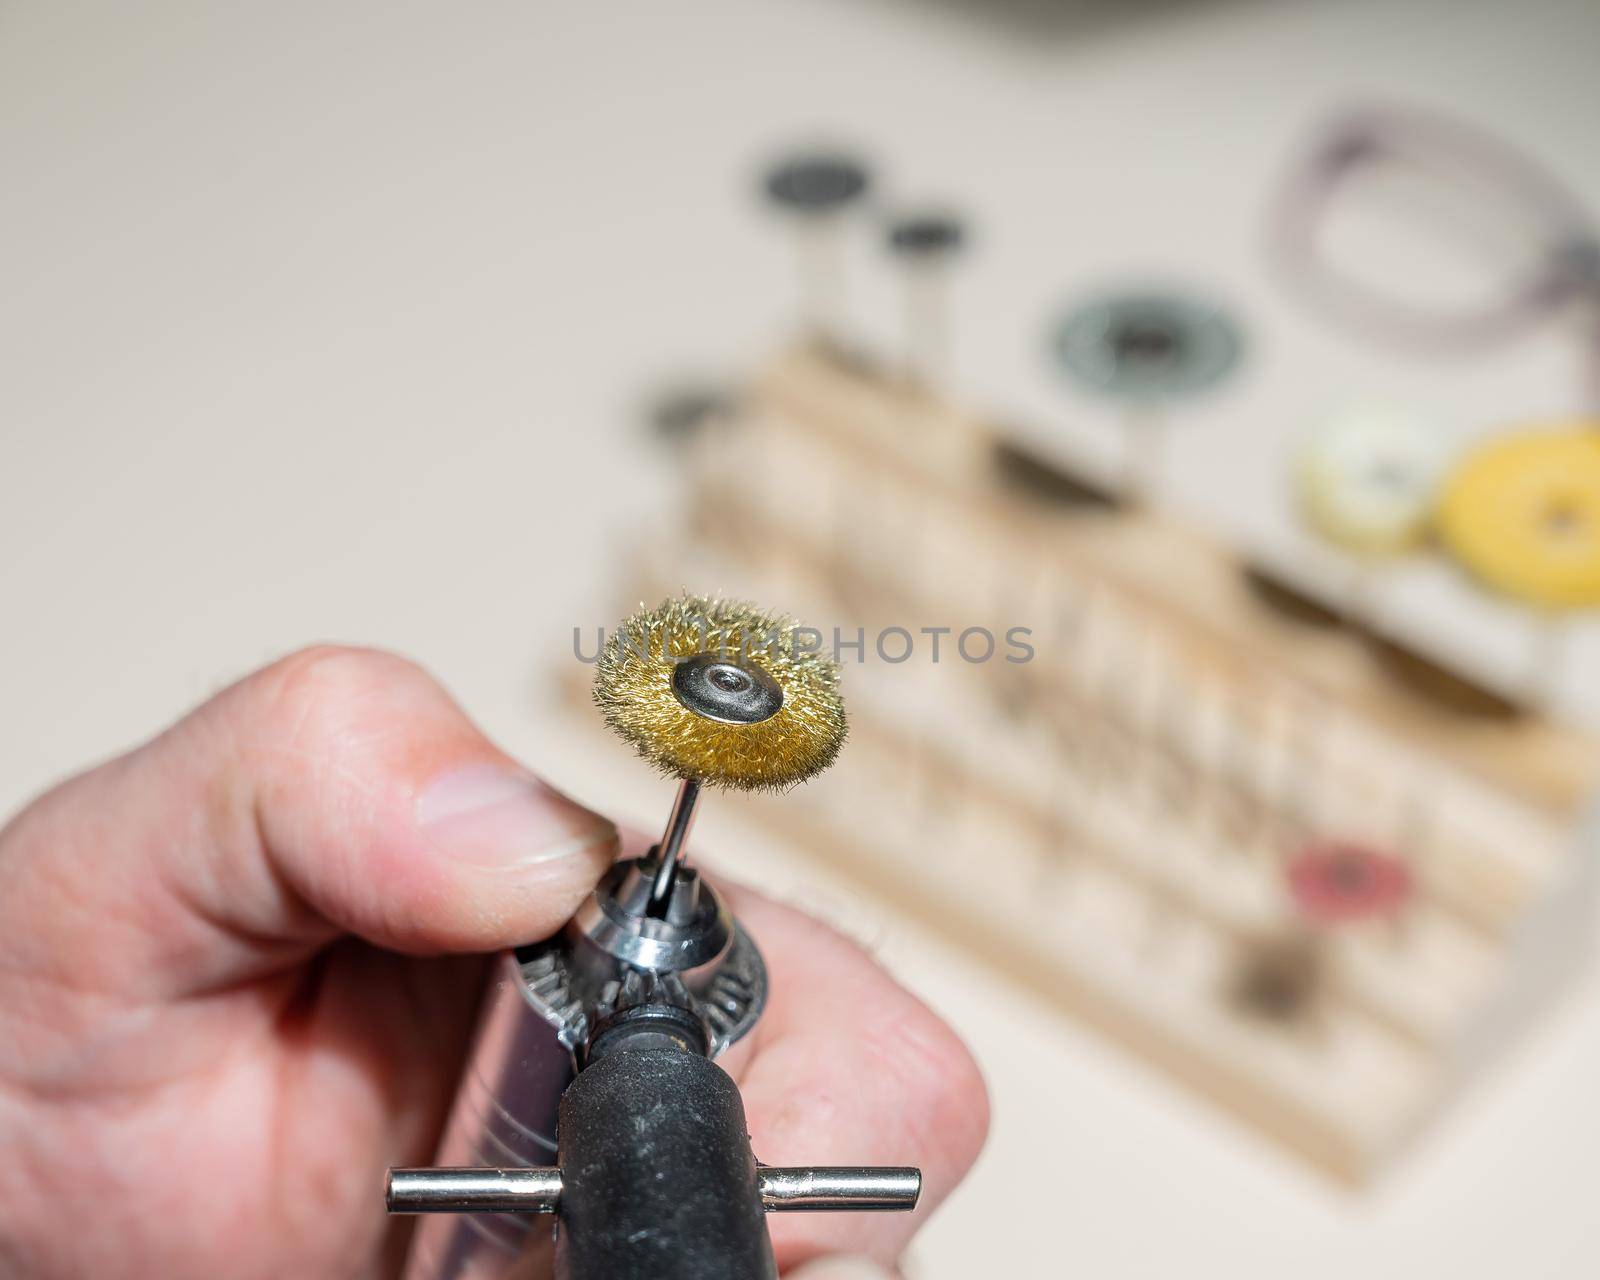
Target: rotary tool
(594, 1137)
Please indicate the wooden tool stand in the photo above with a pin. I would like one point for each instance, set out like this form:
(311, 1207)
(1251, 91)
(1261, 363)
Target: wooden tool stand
(1113, 821)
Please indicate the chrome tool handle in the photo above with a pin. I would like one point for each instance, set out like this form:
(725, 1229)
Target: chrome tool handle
(797, 1189)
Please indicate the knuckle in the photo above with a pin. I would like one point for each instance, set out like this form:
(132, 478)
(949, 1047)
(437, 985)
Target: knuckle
(324, 697)
(851, 949)
(312, 681)
(331, 669)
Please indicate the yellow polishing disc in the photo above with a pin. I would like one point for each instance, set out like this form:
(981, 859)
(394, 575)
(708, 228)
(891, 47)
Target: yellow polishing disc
(1522, 514)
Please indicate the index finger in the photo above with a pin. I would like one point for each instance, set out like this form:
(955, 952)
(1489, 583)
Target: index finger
(848, 1067)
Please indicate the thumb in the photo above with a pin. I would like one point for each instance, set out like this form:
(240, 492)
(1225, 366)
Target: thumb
(337, 791)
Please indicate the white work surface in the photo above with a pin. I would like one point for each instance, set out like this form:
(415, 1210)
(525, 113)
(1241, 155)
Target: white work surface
(332, 321)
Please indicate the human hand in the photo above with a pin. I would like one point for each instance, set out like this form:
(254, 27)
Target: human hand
(237, 980)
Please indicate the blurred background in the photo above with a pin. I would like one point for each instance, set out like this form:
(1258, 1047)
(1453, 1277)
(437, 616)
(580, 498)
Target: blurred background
(357, 322)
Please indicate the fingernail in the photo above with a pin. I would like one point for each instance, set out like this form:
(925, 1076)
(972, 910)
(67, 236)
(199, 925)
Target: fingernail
(498, 817)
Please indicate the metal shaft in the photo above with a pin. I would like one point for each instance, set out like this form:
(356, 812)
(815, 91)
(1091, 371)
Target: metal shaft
(670, 852)
(926, 323)
(840, 1188)
(474, 1190)
(539, 1190)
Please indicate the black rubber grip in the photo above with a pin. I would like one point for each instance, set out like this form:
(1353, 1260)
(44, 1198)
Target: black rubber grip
(658, 1179)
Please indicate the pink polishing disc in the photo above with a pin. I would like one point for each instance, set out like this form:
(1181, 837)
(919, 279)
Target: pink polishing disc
(1335, 882)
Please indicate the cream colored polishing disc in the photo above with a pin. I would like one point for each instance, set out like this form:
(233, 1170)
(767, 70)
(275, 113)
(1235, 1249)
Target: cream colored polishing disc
(1367, 481)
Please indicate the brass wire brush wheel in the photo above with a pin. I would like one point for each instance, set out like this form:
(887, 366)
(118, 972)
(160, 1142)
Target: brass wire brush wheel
(722, 693)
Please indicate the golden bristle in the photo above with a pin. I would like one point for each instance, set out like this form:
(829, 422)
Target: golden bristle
(633, 689)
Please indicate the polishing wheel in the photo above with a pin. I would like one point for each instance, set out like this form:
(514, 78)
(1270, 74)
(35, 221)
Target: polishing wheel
(722, 693)
(1522, 514)
(1367, 481)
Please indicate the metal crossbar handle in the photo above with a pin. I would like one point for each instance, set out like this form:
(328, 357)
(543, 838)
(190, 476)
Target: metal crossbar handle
(802, 1189)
